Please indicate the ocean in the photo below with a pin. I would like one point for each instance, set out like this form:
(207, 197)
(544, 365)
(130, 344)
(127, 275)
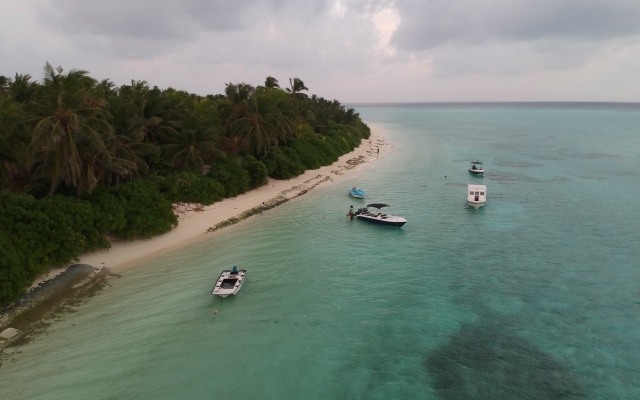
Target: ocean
(533, 296)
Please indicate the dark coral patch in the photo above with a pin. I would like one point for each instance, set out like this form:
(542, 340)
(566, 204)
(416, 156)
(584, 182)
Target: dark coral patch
(481, 362)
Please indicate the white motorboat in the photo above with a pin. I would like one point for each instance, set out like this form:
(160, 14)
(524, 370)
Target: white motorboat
(476, 195)
(357, 193)
(378, 216)
(476, 167)
(229, 282)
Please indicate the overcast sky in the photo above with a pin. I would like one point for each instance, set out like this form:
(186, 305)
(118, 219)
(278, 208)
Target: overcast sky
(349, 50)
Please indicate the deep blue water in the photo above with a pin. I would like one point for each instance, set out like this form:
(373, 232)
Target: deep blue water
(534, 296)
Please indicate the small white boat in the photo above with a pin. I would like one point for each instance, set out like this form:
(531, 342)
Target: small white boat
(378, 216)
(229, 282)
(357, 193)
(476, 167)
(476, 195)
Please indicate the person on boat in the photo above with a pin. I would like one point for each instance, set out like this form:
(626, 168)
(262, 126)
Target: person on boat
(473, 166)
(350, 213)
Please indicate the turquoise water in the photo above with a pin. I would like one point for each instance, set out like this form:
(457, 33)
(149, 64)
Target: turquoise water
(534, 296)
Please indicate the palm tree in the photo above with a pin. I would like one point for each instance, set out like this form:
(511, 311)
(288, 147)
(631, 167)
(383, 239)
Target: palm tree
(71, 123)
(4, 84)
(127, 146)
(195, 145)
(12, 140)
(271, 83)
(148, 109)
(267, 121)
(296, 86)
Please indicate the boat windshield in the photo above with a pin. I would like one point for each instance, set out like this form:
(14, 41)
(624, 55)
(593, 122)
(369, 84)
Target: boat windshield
(377, 205)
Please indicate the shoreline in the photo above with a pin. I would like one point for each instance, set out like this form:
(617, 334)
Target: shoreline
(197, 222)
(62, 286)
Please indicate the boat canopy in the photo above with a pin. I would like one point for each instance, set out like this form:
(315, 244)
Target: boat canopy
(377, 205)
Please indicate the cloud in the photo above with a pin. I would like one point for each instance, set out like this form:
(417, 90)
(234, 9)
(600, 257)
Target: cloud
(436, 23)
(506, 37)
(352, 50)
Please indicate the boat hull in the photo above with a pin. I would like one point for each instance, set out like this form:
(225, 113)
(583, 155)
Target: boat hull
(228, 283)
(476, 171)
(396, 221)
(476, 195)
(358, 194)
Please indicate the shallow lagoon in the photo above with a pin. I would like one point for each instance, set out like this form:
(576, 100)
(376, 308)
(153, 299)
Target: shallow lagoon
(532, 296)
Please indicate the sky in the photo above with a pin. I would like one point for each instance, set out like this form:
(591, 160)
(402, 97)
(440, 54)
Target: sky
(349, 50)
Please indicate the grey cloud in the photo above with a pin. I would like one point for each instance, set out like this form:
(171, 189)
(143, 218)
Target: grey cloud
(169, 19)
(428, 25)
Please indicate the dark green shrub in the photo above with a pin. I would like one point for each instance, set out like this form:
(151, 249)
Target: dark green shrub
(194, 188)
(258, 172)
(283, 163)
(147, 212)
(109, 209)
(235, 179)
(36, 235)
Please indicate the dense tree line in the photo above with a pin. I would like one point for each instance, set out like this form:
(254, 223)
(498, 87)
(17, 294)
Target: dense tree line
(82, 160)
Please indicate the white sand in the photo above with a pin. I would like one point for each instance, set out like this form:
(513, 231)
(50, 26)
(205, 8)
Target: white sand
(194, 220)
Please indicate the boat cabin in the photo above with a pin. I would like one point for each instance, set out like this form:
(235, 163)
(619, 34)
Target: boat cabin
(476, 195)
(476, 167)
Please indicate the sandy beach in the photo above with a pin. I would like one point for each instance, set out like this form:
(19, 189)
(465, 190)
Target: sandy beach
(196, 222)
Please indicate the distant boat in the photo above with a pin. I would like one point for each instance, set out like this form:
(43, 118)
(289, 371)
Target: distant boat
(476, 167)
(229, 282)
(378, 216)
(357, 193)
(476, 195)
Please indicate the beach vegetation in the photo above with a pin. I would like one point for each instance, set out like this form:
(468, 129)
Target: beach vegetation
(191, 187)
(83, 160)
(147, 212)
(39, 234)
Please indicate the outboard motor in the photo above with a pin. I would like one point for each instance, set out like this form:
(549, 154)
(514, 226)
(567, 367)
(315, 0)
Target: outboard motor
(234, 271)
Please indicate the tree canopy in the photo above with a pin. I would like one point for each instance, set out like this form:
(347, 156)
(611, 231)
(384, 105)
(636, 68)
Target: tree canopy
(82, 158)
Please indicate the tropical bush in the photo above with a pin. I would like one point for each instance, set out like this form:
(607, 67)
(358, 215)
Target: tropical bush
(231, 176)
(190, 187)
(36, 235)
(147, 212)
(84, 158)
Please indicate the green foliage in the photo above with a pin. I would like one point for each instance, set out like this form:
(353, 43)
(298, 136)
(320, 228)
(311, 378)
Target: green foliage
(311, 151)
(36, 235)
(158, 165)
(79, 216)
(109, 210)
(258, 172)
(190, 187)
(280, 166)
(71, 132)
(147, 212)
(234, 178)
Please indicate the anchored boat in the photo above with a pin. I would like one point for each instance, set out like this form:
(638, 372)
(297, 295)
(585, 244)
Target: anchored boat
(379, 216)
(229, 282)
(476, 167)
(476, 195)
(357, 193)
